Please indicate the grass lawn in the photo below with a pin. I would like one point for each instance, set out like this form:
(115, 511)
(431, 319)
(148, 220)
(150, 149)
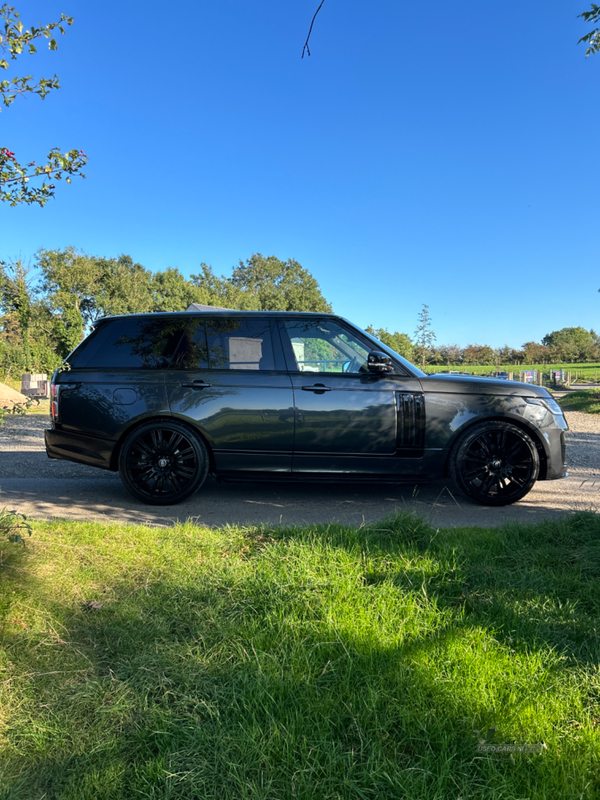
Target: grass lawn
(587, 401)
(325, 662)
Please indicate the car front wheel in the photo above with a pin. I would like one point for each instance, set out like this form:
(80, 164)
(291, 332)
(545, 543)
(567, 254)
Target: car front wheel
(163, 462)
(495, 463)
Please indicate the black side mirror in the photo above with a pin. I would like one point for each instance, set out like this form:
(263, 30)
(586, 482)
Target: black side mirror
(379, 362)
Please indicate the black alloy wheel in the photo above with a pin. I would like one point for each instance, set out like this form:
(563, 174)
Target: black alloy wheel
(495, 463)
(163, 462)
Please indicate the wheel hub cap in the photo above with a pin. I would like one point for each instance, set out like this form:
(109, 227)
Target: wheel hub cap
(163, 463)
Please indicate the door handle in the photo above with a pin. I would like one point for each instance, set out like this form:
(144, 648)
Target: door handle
(197, 385)
(319, 388)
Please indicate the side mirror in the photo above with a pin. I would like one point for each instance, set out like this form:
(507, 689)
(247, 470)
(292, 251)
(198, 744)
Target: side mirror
(379, 362)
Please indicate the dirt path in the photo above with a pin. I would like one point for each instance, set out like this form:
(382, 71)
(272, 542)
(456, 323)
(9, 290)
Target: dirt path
(44, 488)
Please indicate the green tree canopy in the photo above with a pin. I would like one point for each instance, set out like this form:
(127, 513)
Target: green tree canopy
(399, 342)
(279, 285)
(572, 344)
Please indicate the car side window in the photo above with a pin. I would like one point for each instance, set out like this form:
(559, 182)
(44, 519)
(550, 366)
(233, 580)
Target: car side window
(192, 352)
(238, 343)
(325, 346)
(133, 343)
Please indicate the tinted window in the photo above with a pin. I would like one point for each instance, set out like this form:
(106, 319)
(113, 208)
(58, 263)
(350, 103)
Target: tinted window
(81, 354)
(135, 343)
(324, 346)
(192, 352)
(240, 344)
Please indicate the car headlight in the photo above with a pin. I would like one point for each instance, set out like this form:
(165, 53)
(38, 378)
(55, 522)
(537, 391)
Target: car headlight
(547, 402)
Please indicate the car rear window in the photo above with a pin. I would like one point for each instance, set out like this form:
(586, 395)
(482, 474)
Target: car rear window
(130, 343)
(234, 343)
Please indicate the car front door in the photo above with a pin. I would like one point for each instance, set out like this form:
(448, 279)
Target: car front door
(349, 419)
(229, 379)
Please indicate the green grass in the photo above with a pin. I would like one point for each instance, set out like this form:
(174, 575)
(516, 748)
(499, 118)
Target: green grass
(587, 401)
(585, 372)
(326, 662)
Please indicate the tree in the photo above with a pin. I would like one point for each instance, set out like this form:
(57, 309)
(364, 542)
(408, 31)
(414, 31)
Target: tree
(399, 342)
(172, 292)
(481, 354)
(124, 287)
(279, 285)
(16, 300)
(449, 354)
(536, 353)
(15, 178)
(572, 344)
(215, 291)
(70, 280)
(424, 337)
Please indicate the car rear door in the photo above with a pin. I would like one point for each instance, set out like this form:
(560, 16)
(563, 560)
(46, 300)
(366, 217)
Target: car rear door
(229, 379)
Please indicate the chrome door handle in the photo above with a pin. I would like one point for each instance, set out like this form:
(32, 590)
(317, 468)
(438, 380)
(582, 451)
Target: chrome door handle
(317, 387)
(197, 385)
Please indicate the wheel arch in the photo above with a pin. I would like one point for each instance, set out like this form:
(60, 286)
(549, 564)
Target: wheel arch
(114, 458)
(518, 422)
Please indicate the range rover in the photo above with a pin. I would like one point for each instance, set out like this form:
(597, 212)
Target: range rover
(167, 398)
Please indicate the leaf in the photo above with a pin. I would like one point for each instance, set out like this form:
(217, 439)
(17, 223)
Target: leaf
(53, 45)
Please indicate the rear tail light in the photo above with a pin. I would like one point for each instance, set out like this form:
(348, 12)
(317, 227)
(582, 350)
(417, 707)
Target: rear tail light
(54, 401)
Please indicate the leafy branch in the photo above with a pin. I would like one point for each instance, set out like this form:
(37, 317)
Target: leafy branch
(14, 178)
(14, 39)
(593, 37)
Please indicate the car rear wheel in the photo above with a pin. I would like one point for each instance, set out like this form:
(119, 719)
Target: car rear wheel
(163, 462)
(495, 463)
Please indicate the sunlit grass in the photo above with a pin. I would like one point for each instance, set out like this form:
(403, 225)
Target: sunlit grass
(323, 662)
(586, 401)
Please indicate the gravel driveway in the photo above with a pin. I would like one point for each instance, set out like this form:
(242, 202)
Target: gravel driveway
(43, 488)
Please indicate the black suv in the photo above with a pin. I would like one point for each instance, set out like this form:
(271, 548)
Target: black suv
(167, 398)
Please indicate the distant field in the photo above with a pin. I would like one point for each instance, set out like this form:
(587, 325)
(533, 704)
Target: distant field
(585, 372)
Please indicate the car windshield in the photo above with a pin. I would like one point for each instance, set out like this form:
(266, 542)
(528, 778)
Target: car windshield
(383, 347)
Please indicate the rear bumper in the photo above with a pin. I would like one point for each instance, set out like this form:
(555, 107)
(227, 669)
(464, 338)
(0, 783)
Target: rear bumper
(78, 447)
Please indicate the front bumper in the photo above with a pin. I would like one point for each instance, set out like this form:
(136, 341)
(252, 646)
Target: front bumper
(555, 454)
(80, 448)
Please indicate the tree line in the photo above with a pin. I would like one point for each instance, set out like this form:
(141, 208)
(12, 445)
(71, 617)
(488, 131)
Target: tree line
(47, 307)
(568, 345)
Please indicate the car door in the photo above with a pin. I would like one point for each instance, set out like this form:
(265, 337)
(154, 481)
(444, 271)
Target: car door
(349, 419)
(229, 380)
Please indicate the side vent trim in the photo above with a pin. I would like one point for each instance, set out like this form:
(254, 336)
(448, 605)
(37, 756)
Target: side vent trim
(410, 409)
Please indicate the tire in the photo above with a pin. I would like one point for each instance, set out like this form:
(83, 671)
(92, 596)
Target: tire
(494, 463)
(163, 462)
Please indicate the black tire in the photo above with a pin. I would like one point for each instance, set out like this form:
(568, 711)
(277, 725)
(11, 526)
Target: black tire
(494, 463)
(163, 462)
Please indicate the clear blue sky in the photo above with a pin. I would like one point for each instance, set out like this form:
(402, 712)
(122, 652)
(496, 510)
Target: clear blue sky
(440, 153)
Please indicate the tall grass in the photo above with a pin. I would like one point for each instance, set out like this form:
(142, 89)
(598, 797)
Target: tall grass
(325, 662)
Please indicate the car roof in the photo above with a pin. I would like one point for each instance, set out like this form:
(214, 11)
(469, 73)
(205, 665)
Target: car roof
(219, 312)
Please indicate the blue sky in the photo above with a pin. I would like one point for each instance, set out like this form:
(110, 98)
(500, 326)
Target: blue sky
(439, 153)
